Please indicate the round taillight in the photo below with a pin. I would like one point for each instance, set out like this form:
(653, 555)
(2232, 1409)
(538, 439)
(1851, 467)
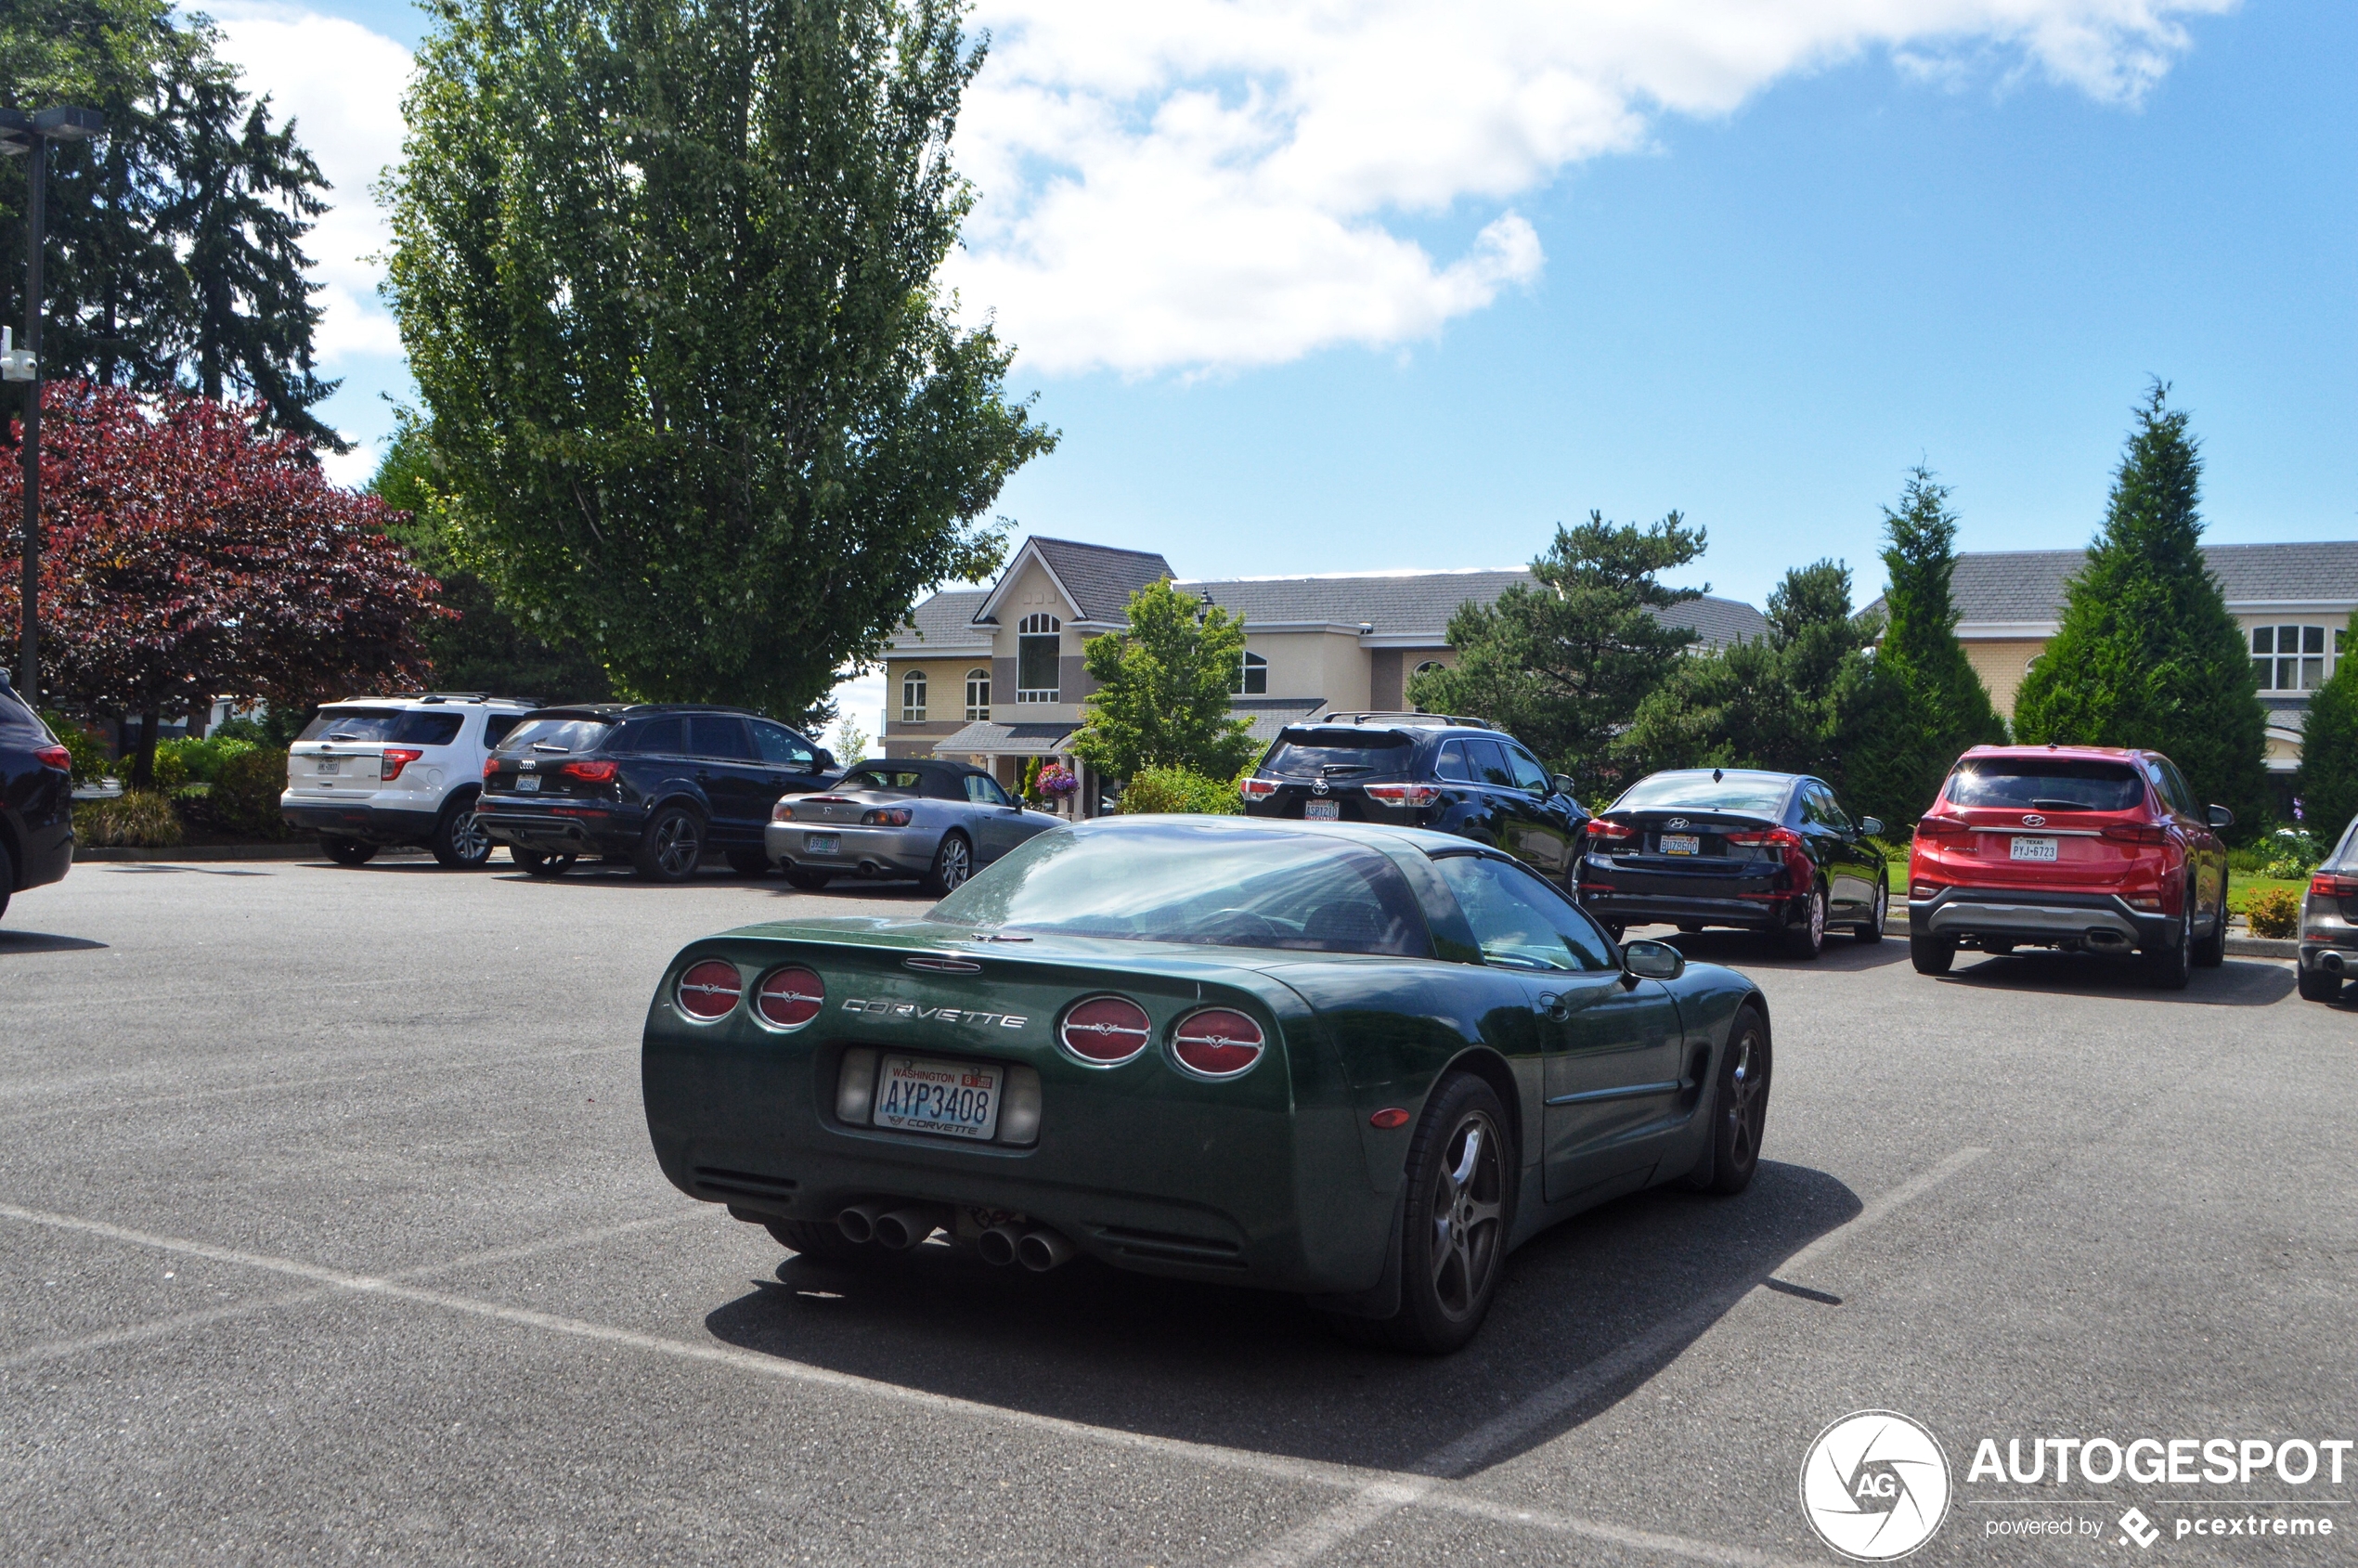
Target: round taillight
(1217, 1042)
(1104, 1031)
(710, 989)
(789, 998)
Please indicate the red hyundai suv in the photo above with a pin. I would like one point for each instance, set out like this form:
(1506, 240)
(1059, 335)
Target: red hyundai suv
(2085, 848)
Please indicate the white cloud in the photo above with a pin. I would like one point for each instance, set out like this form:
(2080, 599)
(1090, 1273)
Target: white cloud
(1212, 183)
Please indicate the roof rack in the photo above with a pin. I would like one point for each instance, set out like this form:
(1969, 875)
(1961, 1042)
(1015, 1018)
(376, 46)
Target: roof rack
(443, 697)
(1408, 716)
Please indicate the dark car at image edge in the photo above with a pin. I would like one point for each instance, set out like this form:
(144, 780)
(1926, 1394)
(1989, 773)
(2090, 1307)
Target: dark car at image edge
(36, 799)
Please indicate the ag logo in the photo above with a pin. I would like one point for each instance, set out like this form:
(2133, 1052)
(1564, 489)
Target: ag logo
(1876, 1485)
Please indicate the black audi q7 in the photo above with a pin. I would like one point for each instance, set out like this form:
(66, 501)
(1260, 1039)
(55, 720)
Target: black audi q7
(36, 799)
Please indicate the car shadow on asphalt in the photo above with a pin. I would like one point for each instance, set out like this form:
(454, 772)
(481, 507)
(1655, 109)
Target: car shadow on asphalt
(1255, 1371)
(2235, 984)
(42, 942)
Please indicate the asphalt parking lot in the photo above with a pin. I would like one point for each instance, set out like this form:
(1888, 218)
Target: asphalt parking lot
(332, 1232)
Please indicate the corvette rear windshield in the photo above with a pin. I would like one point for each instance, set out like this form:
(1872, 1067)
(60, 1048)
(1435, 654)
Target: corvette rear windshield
(397, 725)
(1180, 883)
(1754, 794)
(1313, 753)
(557, 734)
(2036, 785)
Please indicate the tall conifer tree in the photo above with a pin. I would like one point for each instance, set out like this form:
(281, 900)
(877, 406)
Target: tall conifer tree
(2327, 784)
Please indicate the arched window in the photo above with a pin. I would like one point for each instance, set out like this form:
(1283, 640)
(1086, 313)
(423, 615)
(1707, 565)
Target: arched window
(913, 698)
(1252, 677)
(1425, 669)
(1039, 648)
(977, 695)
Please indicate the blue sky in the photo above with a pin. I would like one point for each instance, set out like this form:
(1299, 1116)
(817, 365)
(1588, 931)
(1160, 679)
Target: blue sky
(1757, 300)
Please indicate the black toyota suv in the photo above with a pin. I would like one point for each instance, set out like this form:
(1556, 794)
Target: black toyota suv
(1423, 769)
(656, 783)
(36, 799)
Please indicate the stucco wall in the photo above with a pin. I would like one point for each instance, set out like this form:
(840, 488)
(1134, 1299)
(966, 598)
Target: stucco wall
(2001, 667)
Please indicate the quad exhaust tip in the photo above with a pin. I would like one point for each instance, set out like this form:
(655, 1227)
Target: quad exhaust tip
(908, 1226)
(1041, 1250)
(998, 1245)
(858, 1223)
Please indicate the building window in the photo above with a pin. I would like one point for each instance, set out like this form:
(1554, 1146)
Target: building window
(1425, 669)
(1037, 650)
(977, 695)
(1252, 677)
(913, 698)
(2289, 658)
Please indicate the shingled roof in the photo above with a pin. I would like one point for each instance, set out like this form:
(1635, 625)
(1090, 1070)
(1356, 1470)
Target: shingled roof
(2025, 587)
(944, 623)
(1100, 578)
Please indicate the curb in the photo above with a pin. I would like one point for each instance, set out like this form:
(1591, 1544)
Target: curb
(2237, 947)
(197, 852)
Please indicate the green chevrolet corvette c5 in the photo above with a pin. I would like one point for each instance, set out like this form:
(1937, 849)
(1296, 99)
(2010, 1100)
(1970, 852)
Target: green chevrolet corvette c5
(1358, 1063)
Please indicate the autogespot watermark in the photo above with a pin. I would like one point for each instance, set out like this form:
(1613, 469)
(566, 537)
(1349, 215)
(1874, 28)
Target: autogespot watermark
(1876, 1485)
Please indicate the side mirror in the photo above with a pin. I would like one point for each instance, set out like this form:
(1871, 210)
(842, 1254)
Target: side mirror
(824, 760)
(1563, 788)
(2221, 816)
(1871, 826)
(1652, 961)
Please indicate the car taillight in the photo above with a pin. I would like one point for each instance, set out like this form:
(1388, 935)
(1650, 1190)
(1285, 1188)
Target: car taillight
(1937, 826)
(885, 816)
(1257, 789)
(789, 998)
(1217, 1042)
(783, 811)
(490, 766)
(1924, 890)
(2136, 833)
(589, 773)
(1783, 837)
(1105, 1030)
(710, 989)
(55, 756)
(1403, 794)
(395, 757)
(2326, 884)
(1611, 832)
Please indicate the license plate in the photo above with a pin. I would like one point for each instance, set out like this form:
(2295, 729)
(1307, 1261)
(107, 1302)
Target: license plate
(2034, 849)
(960, 1099)
(527, 783)
(1681, 843)
(1322, 811)
(331, 767)
(820, 843)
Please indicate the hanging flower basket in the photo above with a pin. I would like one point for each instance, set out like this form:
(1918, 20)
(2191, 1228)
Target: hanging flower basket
(1057, 781)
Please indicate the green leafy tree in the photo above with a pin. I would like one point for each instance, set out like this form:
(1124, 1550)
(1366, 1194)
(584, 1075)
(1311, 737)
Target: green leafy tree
(666, 273)
(1563, 663)
(2147, 655)
(2327, 783)
(1164, 691)
(1903, 722)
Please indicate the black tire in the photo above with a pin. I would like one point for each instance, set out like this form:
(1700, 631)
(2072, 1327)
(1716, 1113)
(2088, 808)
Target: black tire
(807, 879)
(1931, 955)
(749, 862)
(457, 840)
(2211, 951)
(346, 851)
(1870, 929)
(2316, 984)
(1452, 1239)
(538, 864)
(670, 846)
(1739, 1109)
(821, 1243)
(7, 878)
(953, 862)
(2168, 968)
(1807, 938)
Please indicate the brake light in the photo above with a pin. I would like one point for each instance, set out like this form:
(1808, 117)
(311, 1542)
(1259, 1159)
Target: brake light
(1106, 1030)
(1259, 789)
(396, 758)
(2326, 884)
(1783, 837)
(1217, 1042)
(1401, 794)
(55, 756)
(783, 811)
(885, 816)
(789, 998)
(710, 989)
(1937, 826)
(2136, 833)
(589, 773)
(1610, 832)
(490, 766)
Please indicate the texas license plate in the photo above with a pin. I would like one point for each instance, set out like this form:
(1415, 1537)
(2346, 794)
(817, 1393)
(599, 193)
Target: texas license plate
(1681, 843)
(2034, 849)
(820, 843)
(1322, 811)
(331, 767)
(527, 783)
(917, 1095)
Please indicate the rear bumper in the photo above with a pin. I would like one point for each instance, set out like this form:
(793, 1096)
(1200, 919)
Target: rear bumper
(561, 830)
(1752, 897)
(2096, 921)
(904, 851)
(2328, 940)
(45, 848)
(369, 824)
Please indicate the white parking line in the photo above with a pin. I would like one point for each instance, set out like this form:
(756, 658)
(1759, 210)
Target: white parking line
(1315, 1537)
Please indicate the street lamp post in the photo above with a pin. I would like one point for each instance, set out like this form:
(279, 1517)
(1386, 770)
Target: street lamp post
(32, 133)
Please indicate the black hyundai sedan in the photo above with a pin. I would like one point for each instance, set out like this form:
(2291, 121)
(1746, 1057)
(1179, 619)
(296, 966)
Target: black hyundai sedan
(1768, 853)
(655, 783)
(36, 799)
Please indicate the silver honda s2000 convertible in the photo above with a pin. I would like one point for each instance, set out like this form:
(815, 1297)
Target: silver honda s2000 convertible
(934, 821)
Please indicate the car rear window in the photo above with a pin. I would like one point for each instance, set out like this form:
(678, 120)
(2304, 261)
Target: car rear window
(1754, 794)
(2040, 785)
(893, 781)
(399, 726)
(1182, 882)
(1318, 753)
(557, 734)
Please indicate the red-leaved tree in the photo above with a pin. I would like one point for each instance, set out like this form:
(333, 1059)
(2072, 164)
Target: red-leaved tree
(185, 556)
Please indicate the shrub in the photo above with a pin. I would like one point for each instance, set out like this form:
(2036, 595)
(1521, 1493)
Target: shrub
(2274, 912)
(2292, 854)
(1179, 789)
(188, 761)
(244, 797)
(91, 761)
(140, 819)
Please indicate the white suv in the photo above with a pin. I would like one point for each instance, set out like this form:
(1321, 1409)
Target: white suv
(372, 772)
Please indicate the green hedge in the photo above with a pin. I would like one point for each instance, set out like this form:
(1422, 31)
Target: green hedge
(1178, 789)
(186, 760)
